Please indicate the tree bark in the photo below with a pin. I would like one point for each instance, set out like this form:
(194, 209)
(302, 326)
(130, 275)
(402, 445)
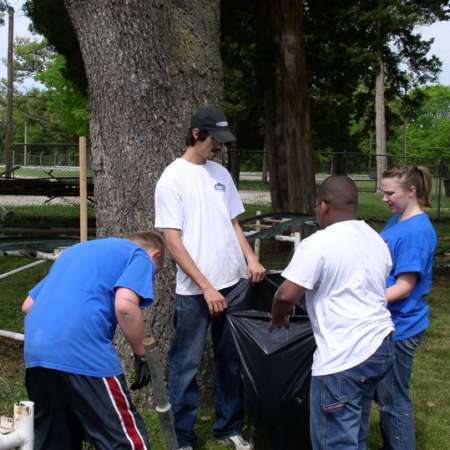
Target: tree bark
(149, 64)
(288, 137)
(380, 121)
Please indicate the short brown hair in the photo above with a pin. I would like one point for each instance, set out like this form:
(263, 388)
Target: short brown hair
(148, 240)
(411, 175)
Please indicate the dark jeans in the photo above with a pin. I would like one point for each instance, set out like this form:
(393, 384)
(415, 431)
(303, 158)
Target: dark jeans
(340, 402)
(396, 409)
(191, 321)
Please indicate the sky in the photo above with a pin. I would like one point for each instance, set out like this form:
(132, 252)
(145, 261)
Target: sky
(440, 31)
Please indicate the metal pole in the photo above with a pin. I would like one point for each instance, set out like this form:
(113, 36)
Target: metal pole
(9, 95)
(25, 138)
(83, 190)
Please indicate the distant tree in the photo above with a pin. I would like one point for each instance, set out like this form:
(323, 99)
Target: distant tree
(54, 110)
(64, 99)
(51, 19)
(428, 131)
(31, 57)
(390, 30)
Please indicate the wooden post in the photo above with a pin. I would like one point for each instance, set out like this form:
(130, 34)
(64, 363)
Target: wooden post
(162, 404)
(257, 240)
(83, 189)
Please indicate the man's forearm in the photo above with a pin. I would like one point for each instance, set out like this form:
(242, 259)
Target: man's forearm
(281, 308)
(213, 298)
(404, 285)
(132, 326)
(256, 271)
(182, 257)
(243, 243)
(284, 300)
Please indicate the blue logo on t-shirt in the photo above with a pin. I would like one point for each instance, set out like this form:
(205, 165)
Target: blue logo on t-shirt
(219, 187)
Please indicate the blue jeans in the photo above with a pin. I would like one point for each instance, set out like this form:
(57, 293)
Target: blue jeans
(191, 321)
(340, 402)
(395, 406)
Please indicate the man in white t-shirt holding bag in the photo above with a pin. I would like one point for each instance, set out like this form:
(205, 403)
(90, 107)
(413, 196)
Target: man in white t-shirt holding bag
(196, 207)
(342, 270)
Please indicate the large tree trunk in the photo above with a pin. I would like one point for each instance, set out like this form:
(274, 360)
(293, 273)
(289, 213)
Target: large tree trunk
(287, 126)
(380, 121)
(149, 64)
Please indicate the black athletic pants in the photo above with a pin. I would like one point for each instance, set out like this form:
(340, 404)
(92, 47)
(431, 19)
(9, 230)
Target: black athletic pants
(68, 406)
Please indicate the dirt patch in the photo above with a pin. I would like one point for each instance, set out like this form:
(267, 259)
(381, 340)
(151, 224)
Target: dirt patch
(12, 358)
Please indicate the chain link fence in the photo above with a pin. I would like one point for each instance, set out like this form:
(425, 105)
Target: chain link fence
(43, 185)
(42, 189)
(251, 173)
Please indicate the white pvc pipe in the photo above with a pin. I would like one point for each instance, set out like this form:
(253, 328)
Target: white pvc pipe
(295, 238)
(23, 434)
(12, 335)
(24, 420)
(10, 440)
(35, 254)
(28, 266)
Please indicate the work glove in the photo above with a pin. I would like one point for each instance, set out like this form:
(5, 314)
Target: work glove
(141, 371)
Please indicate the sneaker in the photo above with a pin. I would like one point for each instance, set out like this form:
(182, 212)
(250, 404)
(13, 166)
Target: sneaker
(237, 442)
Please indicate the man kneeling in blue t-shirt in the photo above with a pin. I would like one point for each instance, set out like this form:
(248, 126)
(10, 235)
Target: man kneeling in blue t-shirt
(73, 372)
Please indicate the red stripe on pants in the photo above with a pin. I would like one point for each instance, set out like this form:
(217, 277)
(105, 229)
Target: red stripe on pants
(124, 411)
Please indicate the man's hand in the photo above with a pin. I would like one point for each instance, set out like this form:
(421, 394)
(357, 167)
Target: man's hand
(283, 302)
(215, 300)
(282, 321)
(142, 373)
(256, 271)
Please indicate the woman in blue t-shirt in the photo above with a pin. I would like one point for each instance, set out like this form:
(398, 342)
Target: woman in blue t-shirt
(411, 239)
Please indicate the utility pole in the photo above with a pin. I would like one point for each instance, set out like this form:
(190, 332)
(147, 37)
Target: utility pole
(9, 96)
(25, 141)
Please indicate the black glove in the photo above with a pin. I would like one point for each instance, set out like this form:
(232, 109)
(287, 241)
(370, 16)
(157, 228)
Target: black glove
(142, 373)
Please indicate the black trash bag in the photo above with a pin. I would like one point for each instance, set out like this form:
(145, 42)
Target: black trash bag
(276, 369)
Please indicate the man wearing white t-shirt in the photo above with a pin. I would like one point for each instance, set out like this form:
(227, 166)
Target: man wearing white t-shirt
(342, 270)
(196, 207)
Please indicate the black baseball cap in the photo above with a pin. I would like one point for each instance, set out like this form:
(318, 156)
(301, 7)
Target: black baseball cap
(212, 120)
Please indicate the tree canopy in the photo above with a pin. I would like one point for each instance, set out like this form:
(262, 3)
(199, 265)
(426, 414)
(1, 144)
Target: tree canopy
(341, 43)
(55, 110)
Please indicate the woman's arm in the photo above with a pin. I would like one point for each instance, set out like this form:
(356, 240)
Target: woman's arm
(402, 288)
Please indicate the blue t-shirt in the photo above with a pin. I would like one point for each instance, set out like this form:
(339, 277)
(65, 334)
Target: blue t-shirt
(412, 243)
(72, 322)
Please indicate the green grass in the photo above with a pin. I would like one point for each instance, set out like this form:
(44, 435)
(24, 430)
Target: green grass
(253, 185)
(430, 383)
(15, 288)
(41, 173)
(46, 216)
